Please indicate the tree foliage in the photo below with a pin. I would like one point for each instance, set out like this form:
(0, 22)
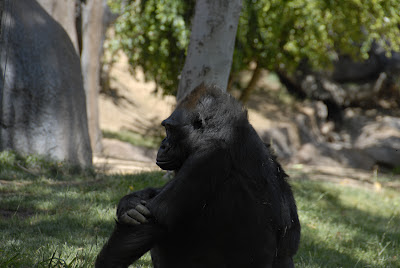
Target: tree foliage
(154, 34)
(275, 34)
(280, 34)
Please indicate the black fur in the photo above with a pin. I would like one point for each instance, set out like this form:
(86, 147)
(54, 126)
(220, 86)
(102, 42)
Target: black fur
(229, 204)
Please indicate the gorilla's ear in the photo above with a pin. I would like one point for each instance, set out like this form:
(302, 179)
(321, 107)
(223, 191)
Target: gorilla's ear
(198, 122)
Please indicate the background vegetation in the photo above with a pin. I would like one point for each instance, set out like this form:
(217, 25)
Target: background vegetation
(276, 35)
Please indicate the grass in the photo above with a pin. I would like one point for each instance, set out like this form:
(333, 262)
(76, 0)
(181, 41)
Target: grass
(52, 215)
(344, 226)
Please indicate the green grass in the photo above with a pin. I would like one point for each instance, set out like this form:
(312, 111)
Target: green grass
(344, 226)
(53, 216)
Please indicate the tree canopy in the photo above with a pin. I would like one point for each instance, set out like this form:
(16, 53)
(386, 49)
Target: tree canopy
(154, 35)
(275, 34)
(280, 34)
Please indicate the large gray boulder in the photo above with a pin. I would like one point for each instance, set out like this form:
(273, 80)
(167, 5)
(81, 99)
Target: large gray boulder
(64, 12)
(380, 141)
(364, 142)
(42, 100)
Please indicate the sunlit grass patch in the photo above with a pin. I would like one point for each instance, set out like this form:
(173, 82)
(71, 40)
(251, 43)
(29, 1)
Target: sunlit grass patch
(16, 167)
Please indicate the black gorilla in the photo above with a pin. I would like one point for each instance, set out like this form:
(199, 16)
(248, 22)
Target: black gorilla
(229, 204)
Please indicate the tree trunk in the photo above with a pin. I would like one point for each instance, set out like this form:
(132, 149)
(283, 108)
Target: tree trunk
(42, 100)
(64, 13)
(93, 34)
(212, 41)
(244, 97)
(231, 81)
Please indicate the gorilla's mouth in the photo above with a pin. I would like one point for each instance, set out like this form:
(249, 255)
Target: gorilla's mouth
(167, 164)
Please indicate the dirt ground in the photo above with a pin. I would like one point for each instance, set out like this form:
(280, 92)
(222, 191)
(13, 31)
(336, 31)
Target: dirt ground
(132, 105)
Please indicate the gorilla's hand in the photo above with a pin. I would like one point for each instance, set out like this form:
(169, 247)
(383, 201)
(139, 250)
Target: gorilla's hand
(137, 215)
(132, 210)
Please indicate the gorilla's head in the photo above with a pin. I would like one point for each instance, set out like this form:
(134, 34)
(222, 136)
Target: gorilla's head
(204, 120)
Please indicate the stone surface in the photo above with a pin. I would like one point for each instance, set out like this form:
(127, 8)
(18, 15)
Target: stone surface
(42, 101)
(380, 140)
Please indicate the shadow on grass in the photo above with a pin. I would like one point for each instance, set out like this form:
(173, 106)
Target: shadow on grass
(42, 216)
(68, 216)
(339, 234)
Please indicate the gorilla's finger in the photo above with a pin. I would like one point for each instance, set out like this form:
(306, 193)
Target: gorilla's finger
(133, 213)
(128, 220)
(143, 202)
(143, 210)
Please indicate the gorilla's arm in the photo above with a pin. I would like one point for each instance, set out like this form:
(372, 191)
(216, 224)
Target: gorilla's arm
(186, 194)
(129, 241)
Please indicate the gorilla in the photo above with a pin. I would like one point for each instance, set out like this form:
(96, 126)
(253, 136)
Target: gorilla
(228, 205)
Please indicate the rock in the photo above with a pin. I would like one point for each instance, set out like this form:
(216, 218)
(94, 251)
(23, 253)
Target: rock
(281, 142)
(330, 155)
(42, 100)
(311, 154)
(371, 141)
(380, 140)
(65, 14)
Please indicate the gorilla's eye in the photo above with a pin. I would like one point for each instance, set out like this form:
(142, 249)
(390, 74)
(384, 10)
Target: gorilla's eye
(197, 123)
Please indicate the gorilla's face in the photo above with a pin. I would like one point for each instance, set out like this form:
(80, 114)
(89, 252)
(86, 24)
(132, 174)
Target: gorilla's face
(197, 124)
(175, 148)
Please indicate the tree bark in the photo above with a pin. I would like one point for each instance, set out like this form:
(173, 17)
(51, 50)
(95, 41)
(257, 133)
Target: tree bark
(212, 41)
(231, 81)
(93, 34)
(244, 97)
